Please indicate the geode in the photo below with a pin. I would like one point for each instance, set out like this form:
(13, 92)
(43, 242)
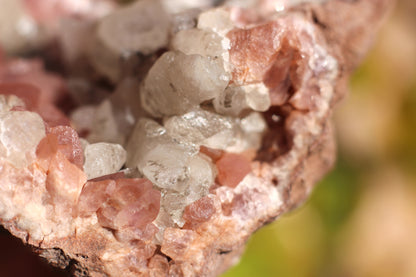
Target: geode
(170, 131)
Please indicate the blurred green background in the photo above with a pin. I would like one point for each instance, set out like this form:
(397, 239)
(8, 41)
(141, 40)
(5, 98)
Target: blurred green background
(361, 219)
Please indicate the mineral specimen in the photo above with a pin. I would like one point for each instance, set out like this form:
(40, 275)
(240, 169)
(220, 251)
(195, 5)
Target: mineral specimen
(170, 130)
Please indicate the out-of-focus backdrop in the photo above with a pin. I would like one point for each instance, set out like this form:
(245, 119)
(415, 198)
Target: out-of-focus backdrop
(361, 219)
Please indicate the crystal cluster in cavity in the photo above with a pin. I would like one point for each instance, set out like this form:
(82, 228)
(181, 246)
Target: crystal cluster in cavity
(162, 124)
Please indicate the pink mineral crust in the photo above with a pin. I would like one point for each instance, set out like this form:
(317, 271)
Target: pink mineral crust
(116, 226)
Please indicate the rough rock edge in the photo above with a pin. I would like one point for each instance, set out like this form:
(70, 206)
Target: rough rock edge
(348, 28)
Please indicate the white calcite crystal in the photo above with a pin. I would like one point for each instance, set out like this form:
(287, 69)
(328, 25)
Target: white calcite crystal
(103, 159)
(171, 165)
(235, 99)
(82, 118)
(147, 27)
(201, 127)
(126, 105)
(104, 125)
(257, 97)
(200, 177)
(217, 20)
(253, 126)
(204, 43)
(184, 5)
(158, 156)
(145, 22)
(7, 102)
(20, 133)
(178, 83)
(231, 101)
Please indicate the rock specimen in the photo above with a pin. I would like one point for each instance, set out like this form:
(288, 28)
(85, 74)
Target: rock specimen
(190, 127)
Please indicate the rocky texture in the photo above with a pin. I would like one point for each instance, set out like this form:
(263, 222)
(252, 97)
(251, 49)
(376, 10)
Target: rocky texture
(207, 170)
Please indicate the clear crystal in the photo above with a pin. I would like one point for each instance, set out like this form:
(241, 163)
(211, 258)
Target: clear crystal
(103, 159)
(217, 20)
(20, 133)
(204, 43)
(104, 125)
(257, 97)
(158, 156)
(201, 177)
(7, 102)
(231, 101)
(201, 127)
(145, 22)
(178, 83)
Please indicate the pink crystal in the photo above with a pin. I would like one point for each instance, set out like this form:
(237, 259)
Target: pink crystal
(120, 203)
(253, 51)
(65, 180)
(199, 211)
(93, 195)
(61, 139)
(232, 168)
(69, 144)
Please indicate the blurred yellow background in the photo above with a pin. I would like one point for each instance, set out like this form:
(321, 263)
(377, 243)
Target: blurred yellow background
(361, 219)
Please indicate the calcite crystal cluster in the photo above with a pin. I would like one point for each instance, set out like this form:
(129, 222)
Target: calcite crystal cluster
(151, 138)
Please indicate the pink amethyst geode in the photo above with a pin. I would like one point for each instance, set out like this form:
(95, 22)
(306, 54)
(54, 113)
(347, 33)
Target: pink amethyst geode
(169, 131)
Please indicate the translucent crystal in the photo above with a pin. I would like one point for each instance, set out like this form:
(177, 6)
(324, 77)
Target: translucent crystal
(103, 158)
(253, 123)
(126, 105)
(184, 20)
(257, 97)
(231, 101)
(166, 166)
(142, 26)
(203, 42)
(7, 102)
(178, 82)
(158, 156)
(217, 20)
(104, 126)
(20, 133)
(139, 27)
(201, 177)
(82, 118)
(251, 128)
(146, 135)
(183, 5)
(202, 127)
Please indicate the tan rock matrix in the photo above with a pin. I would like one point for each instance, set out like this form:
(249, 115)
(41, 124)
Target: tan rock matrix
(171, 130)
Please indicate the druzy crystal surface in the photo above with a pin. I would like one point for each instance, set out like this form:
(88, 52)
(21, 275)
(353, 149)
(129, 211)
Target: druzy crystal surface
(151, 138)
